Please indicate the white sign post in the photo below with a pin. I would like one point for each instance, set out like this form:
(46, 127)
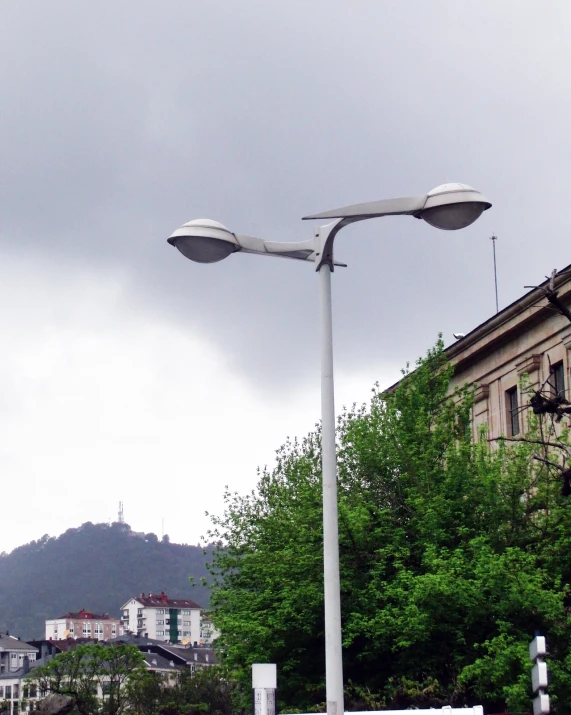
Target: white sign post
(537, 650)
(264, 684)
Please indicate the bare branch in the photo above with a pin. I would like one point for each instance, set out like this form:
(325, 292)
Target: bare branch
(546, 461)
(547, 443)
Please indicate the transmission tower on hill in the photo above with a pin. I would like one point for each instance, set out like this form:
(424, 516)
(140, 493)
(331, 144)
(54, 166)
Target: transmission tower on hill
(121, 518)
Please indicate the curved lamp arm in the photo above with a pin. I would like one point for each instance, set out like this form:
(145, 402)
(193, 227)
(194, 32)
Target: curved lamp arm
(408, 205)
(207, 241)
(300, 250)
(449, 207)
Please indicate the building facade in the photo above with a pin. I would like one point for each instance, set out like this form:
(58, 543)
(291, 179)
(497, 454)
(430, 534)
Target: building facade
(182, 657)
(15, 659)
(208, 633)
(13, 653)
(532, 338)
(83, 624)
(156, 616)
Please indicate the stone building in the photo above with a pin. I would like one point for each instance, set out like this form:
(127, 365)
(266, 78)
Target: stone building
(83, 624)
(531, 336)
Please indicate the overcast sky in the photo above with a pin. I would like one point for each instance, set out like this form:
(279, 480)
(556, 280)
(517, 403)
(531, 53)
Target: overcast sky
(129, 373)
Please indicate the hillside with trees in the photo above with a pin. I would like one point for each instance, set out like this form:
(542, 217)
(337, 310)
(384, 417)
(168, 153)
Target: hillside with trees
(96, 567)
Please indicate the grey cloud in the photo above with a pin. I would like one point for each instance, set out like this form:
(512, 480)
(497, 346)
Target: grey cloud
(121, 120)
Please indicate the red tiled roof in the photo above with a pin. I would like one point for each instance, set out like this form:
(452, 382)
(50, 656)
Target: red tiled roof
(63, 645)
(88, 615)
(158, 600)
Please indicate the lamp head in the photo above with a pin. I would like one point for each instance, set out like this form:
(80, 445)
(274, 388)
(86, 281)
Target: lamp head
(204, 241)
(453, 206)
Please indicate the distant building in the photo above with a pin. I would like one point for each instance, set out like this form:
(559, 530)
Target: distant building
(13, 651)
(83, 624)
(178, 656)
(156, 616)
(15, 659)
(208, 633)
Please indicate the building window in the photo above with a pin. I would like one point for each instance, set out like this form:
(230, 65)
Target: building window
(86, 629)
(160, 611)
(8, 692)
(186, 612)
(33, 690)
(139, 612)
(160, 633)
(557, 379)
(113, 630)
(186, 623)
(512, 412)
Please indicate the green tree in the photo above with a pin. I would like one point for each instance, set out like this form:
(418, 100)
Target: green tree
(205, 692)
(452, 555)
(80, 671)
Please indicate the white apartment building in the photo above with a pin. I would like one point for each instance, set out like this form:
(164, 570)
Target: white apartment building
(83, 624)
(156, 616)
(208, 633)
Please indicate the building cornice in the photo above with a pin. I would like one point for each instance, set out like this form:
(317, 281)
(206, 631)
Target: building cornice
(517, 318)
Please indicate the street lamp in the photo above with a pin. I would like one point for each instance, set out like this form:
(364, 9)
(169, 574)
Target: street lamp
(449, 207)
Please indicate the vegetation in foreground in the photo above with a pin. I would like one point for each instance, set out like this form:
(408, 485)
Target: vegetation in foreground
(452, 556)
(128, 687)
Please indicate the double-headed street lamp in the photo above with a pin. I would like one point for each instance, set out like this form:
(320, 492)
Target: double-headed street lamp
(449, 207)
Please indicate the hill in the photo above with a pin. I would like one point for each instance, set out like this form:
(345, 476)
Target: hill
(97, 567)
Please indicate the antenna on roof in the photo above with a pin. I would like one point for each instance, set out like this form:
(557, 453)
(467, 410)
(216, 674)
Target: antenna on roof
(493, 239)
(121, 518)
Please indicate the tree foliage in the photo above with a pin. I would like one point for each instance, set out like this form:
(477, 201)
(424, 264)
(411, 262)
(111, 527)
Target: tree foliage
(112, 680)
(206, 692)
(452, 556)
(80, 671)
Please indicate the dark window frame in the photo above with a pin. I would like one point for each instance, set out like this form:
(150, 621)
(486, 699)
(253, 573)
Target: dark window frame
(557, 379)
(512, 412)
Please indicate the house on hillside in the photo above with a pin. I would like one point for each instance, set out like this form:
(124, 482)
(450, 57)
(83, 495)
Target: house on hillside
(13, 653)
(182, 657)
(83, 624)
(532, 337)
(15, 659)
(208, 633)
(159, 617)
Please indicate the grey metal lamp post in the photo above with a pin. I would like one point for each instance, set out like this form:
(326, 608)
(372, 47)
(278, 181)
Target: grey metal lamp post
(449, 207)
